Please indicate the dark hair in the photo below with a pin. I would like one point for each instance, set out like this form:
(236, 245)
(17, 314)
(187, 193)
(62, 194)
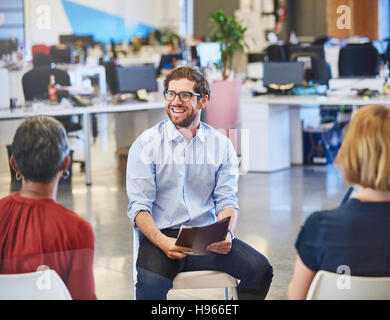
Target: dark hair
(191, 73)
(39, 148)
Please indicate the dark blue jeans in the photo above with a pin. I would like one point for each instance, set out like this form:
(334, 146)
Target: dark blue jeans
(155, 271)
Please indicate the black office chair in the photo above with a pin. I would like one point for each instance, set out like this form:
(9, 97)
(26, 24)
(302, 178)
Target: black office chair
(276, 52)
(35, 86)
(386, 55)
(111, 76)
(320, 41)
(255, 57)
(169, 61)
(61, 54)
(36, 81)
(41, 60)
(358, 60)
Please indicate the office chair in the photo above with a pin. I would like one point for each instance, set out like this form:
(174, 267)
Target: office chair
(324, 144)
(61, 54)
(333, 286)
(386, 54)
(358, 60)
(40, 285)
(41, 60)
(40, 48)
(111, 76)
(205, 279)
(347, 195)
(276, 52)
(35, 83)
(320, 41)
(169, 61)
(255, 57)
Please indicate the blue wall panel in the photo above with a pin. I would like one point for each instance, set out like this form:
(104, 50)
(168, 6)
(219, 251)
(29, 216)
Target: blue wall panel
(104, 26)
(85, 20)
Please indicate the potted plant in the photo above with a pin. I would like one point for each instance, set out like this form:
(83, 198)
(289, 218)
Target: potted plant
(170, 37)
(230, 34)
(222, 109)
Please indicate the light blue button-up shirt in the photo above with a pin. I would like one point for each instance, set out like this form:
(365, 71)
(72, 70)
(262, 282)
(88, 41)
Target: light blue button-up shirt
(180, 183)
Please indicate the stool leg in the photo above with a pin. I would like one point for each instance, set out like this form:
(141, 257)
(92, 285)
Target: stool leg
(226, 293)
(234, 293)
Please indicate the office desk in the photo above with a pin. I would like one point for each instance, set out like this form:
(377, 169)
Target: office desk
(85, 112)
(275, 129)
(77, 74)
(316, 100)
(136, 61)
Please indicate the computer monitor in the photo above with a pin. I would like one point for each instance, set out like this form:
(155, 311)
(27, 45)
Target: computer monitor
(194, 53)
(313, 57)
(86, 40)
(209, 53)
(255, 57)
(71, 39)
(68, 39)
(131, 79)
(61, 54)
(7, 46)
(4, 89)
(283, 73)
(168, 61)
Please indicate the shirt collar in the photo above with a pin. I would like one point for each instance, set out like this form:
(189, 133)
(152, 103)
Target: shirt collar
(173, 133)
(201, 132)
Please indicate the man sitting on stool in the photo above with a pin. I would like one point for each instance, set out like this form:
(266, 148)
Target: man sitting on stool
(184, 172)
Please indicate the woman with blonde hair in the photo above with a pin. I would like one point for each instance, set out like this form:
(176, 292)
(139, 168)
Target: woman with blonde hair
(354, 237)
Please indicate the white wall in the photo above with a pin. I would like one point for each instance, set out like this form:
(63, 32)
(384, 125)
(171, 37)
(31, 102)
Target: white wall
(159, 13)
(110, 6)
(46, 19)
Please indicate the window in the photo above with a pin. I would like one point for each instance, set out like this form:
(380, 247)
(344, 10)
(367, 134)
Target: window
(12, 19)
(186, 26)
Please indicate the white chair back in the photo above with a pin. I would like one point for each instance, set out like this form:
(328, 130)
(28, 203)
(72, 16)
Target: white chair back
(40, 285)
(333, 286)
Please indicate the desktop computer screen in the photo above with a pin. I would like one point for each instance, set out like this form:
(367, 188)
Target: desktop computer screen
(209, 53)
(131, 79)
(282, 73)
(71, 39)
(7, 46)
(68, 39)
(168, 61)
(315, 66)
(86, 40)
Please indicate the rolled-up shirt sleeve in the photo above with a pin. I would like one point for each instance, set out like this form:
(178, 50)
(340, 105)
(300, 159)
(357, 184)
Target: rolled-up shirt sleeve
(140, 179)
(225, 191)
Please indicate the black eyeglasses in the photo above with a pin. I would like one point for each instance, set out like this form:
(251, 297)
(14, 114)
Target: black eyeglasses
(183, 96)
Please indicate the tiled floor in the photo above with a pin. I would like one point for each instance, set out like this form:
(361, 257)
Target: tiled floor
(272, 208)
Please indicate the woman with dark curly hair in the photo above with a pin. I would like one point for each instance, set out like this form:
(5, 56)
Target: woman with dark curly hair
(35, 231)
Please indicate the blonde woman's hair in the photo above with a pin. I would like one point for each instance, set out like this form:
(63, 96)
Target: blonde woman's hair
(364, 156)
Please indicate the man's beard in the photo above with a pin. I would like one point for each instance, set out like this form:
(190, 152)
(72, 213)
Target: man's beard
(185, 123)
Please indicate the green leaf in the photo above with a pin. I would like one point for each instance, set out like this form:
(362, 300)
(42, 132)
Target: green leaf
(230, 34)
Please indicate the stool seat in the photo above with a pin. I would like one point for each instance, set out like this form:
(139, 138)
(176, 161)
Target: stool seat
(203, 279)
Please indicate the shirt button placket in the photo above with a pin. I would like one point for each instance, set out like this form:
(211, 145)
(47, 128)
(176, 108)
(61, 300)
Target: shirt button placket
(185, 154)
